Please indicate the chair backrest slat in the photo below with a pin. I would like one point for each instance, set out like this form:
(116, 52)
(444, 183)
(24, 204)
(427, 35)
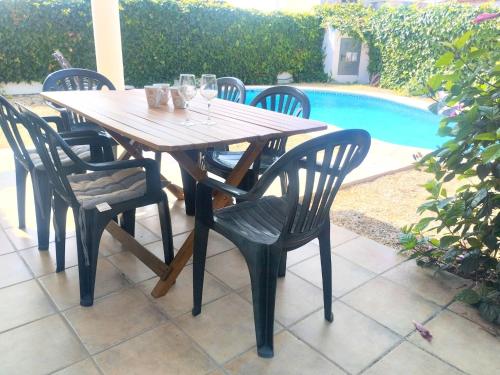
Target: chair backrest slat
(49, 144)
(74, 79)
(10, 121)
(314, 172)
(232, 89)
(284, 99)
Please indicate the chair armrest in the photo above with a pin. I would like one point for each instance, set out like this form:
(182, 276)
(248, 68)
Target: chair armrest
(225, 188)
(79, 133)
(57, 120)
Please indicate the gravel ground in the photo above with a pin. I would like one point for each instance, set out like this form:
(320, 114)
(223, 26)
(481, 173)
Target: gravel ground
(378, 209)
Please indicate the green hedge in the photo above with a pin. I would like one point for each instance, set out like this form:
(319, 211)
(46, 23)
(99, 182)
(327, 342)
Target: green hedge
(405, 41)
(161, 39)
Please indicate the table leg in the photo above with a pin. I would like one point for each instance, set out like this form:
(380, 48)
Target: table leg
(220, 200)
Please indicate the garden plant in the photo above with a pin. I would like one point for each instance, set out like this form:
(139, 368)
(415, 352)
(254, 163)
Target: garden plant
(460, 232)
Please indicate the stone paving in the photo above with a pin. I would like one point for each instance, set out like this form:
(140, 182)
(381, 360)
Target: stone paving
(377, 296)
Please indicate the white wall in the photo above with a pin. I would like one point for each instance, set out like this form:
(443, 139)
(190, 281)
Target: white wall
(21, 88)
(331, 46)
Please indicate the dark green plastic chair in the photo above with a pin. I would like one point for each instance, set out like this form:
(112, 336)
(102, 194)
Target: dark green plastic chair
(265, 228)
(88, 145)
(122, 185)
(284, 99)
(232, 89)
(75, 79)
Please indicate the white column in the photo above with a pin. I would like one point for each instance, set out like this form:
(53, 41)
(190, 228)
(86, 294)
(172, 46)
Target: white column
(108, 40)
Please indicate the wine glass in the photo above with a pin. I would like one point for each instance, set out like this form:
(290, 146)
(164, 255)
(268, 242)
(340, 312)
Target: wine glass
(208, 89)
(187, 90)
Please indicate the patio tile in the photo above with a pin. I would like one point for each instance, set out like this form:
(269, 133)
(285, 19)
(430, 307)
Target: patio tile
(109, 245)
(23, 303)
(44, 262)
(131, 266)
(224, 329)
(295, 298)
(409, 360)
(86, 367)
(12, 270)
(345, 275)
(391, 305)
(369, 254)
(291, 356)
(339, 235)
(180, 222)
(302, 253)
(179, 299)
(472, 314)
(163, 350)
(352, 341)
(462, 343)
(229, 267)
(216, 243)
(440, 287)
(5, 245)
(113, 319)
(39, 348)
(145, 234)
(25, 238)
(64, 287)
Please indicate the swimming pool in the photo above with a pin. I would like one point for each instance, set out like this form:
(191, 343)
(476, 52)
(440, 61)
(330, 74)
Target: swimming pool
(383, 119)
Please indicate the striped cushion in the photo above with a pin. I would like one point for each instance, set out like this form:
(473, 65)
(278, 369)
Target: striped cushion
(83, 152)
(112, 186)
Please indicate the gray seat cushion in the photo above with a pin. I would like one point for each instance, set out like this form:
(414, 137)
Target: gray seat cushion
(82, 151)
(113, 186)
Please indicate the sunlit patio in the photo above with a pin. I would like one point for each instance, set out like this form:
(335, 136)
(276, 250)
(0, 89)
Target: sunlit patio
(378, 295)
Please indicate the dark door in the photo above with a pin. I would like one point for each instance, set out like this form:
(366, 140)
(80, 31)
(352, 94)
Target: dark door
(350, 50)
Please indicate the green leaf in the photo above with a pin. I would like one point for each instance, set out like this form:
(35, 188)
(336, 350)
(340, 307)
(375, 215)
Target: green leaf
(489, 311)
(468, 296)
(446, 241)
(460, 42)
(445, 59)
(435, 81)
(408, 240)
(490, 153)
(485, 137)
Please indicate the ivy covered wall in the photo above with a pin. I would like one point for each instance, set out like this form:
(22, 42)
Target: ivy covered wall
(161, 39)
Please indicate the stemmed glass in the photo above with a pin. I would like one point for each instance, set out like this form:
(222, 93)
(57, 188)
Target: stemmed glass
(187, 90)
(208, 89)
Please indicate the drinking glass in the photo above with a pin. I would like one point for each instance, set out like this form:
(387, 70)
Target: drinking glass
(208, 89)
(187, 90)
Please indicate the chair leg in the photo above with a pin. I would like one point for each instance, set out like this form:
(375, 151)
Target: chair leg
(263, 264)
(166, 229)
(282, 269)
(127, 222)
(189, 185)
(326, 270)
(90, 228)
(60, 208)
(199, 257)
(21, 174)
(42, 192)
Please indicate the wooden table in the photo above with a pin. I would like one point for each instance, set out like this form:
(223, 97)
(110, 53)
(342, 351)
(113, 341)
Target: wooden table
(126, 116)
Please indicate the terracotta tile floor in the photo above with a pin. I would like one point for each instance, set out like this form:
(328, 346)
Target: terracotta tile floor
(377, 296)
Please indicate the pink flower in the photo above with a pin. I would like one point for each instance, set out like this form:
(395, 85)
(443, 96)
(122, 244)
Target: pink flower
(485, 17)
(455, 110)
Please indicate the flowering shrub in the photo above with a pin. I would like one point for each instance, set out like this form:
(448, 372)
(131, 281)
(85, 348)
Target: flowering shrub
(465, 227)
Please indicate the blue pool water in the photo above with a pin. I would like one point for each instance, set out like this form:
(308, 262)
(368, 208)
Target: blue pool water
(385, 120)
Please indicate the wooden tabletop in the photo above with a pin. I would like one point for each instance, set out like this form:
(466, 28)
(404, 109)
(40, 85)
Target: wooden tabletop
(161, 129)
